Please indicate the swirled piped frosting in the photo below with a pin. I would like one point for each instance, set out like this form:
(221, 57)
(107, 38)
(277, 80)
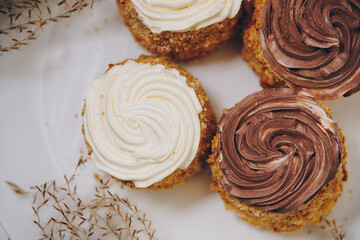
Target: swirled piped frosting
(184, 15)
(314, 45)
(277, 150)
(142, 122)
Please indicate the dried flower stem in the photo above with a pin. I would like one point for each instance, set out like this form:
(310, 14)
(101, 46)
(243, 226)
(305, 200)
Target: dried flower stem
(330, 226)
(106, 215)
(16, 188)
(27, 17)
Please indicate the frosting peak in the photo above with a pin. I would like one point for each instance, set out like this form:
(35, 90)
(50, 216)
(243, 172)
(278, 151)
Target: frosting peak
(314, 45)
(184, 15)
(142, 122)
(277, 150)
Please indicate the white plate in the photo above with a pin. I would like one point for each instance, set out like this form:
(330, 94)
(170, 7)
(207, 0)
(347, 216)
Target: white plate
(42, 88)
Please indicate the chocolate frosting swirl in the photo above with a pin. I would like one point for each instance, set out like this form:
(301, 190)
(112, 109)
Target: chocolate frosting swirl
(313, 44)
(277, 150)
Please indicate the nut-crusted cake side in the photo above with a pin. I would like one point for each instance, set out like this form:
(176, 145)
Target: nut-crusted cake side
(252, 52)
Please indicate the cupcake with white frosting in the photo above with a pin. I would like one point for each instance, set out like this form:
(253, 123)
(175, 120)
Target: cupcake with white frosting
(181, 29)
(148, 123)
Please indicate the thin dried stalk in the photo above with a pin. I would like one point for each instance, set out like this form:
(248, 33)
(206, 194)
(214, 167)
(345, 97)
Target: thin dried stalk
(331, 227)
(16, 188)
(26, 17)
(60, 213)
(105, 215)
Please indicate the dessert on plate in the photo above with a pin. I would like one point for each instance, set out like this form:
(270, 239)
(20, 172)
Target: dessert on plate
(181, 29)
(278, 160)
(148, 123)
(312, 46)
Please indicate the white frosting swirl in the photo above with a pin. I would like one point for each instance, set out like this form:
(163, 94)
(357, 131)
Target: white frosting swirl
(142, 122)
(184, 15)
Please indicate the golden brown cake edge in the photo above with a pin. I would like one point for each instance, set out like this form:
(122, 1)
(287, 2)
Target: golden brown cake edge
(252, 52)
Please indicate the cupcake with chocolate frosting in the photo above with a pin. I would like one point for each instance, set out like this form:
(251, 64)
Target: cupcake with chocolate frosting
(181, 29)
(148, 123)
(278, 160)
(310, 46)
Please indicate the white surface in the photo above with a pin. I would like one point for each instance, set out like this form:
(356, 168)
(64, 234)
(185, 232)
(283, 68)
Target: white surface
(3, 234)
(42, 88)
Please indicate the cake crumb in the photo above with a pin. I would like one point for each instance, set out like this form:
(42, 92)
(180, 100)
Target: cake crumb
(350, 191)
(46, 124)
(76, 115)
(106, 20)
(96, 29)
(309, 231)
(346, 218)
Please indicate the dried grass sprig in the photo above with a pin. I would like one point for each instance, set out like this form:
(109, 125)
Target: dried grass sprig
(331, 227)
(26, 17)
(60, 213)
(16, 188)
(105, 215)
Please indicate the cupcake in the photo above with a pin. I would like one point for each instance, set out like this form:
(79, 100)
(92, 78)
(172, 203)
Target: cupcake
(181, 29)
(310, 46)
(148, 123)
(278, 160)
